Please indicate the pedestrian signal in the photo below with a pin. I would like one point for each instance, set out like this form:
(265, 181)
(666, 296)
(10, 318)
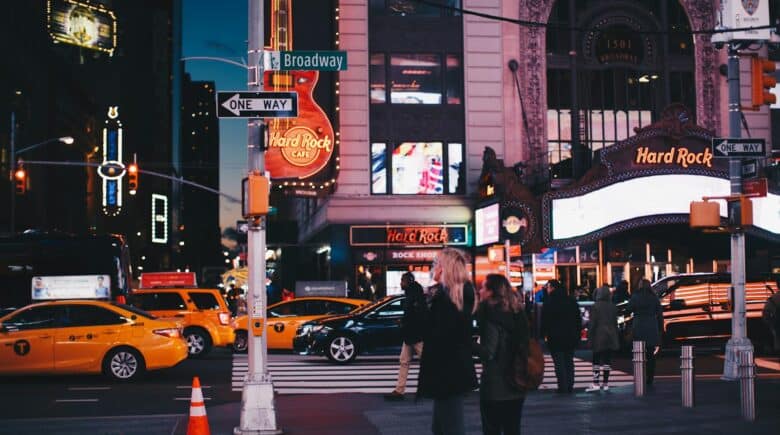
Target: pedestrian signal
(762, 81)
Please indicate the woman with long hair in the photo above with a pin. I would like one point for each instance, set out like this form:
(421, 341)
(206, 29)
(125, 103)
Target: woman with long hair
(446, 369)
(502, 327)
(648, 323)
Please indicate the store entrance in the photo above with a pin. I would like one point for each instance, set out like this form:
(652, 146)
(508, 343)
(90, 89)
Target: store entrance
(567, 275)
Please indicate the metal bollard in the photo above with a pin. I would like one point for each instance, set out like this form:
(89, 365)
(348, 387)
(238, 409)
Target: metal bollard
(747, 374)
(639, 368)
(688, 375)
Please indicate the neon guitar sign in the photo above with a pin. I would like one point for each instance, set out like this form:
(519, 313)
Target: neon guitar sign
(300, 147)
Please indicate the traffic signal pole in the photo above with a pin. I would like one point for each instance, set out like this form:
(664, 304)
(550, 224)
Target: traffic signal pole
(738, 341)
(11, 169)
(258, 414)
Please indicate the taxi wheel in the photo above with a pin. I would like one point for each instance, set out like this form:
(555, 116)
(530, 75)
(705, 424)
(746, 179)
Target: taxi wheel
(241, 342)
(342, 349)
(123, 364)
(198, 342)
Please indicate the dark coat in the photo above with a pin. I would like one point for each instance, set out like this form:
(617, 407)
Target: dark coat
(602, 328)
(415, 308)
(496, 330)
(561, 322)
(446, 367)
(648, 317)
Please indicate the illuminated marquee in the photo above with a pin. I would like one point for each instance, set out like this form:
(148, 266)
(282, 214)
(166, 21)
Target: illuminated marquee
(680, 156)
(87, 25)
(112, 170)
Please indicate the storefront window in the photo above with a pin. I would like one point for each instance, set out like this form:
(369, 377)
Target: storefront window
(413, 8)
(454, 80)
(378, 168)
(457, 169)
(418, 168)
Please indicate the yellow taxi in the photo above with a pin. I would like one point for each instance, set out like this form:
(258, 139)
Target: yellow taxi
(203, 313)
(285, 317)
(87, 336)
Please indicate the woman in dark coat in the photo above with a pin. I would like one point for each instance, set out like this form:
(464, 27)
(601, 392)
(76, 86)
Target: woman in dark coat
(446, 369)
(602, 337)
(647, 323)
(502, 321)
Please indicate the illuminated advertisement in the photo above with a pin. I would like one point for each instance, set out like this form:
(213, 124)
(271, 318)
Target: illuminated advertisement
(159, 218)
(417, 168)
(112, 170)
(71, 287)
(87, 25)
(486, 225)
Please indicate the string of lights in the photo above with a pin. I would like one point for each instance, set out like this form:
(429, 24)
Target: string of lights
(562, 27)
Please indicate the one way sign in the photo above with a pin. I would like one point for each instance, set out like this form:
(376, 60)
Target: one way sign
(257, 104)
(732, 147)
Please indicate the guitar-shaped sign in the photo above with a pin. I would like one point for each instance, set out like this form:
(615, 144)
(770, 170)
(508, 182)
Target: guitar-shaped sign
(297, 147)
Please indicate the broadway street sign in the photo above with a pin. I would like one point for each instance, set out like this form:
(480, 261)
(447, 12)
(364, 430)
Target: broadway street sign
(305, 60)
(731, 147)
(238, 104)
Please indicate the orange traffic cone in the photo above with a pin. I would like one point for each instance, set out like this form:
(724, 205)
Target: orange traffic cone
(199, 423)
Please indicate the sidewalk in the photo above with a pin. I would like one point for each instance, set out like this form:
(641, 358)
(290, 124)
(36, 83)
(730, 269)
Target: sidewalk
(617, 411)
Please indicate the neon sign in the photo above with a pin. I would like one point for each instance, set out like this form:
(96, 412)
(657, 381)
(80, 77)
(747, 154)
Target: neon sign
(159, 218)
(111, 170)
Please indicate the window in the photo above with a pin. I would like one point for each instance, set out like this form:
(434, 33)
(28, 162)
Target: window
(405, 8)
(159, 301)
(286, 310)
(205, 301)
(417, 168)
(332, 307)
(34, 318)
(392, 309)
(87, 315)
(414, 78)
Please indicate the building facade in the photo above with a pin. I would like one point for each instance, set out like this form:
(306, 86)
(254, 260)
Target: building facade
(429, 88)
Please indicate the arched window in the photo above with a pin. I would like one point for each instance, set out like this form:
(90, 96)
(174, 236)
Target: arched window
(611, 69)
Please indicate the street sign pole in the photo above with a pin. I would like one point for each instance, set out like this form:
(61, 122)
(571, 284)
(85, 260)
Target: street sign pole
(738, 341)
(258, 413)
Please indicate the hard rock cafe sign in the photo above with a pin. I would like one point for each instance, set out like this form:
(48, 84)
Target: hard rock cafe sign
(301, 146)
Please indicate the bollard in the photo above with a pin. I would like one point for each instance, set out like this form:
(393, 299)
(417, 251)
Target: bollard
(639, 368)
(688, 375)
(746, 386)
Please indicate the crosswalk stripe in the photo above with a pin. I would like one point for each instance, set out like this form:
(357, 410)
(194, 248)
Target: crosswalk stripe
(378, 375)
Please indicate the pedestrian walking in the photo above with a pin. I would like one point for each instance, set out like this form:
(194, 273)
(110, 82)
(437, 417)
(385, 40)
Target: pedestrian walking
(412, 328)
(621, 293)
(602, 337)
(561, 327)
(771, 317)
(647, 323)
(502, 322)
(446, 369)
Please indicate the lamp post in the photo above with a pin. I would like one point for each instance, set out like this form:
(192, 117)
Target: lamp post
(12, 163)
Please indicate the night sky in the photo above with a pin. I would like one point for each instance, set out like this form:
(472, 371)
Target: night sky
(220, 30)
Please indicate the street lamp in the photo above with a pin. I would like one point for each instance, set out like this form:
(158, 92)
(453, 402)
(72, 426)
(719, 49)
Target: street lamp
(68, 140)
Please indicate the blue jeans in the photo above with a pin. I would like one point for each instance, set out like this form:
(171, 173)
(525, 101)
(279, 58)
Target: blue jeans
(564, 370)
(448, 416)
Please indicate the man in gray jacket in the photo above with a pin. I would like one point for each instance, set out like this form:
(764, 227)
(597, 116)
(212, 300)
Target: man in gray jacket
(602, 337)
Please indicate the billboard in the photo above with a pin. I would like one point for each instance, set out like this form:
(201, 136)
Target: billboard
(86, 25)
(486, 224)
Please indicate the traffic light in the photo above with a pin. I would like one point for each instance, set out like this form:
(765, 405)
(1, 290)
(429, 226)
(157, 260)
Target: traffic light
(132, 178)
(762, 81)
(20, 180)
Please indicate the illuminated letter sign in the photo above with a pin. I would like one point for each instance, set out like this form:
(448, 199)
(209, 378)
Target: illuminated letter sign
(82, 24)
(111, 170)
(159, 218)
(679, 156)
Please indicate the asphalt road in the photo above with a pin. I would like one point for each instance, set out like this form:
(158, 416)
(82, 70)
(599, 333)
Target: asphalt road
(167, 392)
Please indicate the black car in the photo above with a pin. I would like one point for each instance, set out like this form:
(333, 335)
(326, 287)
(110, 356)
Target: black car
(697, 308)
(374, 328)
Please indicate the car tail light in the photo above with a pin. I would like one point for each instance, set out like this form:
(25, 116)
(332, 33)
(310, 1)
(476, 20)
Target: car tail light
(224, 318)
(168, 332)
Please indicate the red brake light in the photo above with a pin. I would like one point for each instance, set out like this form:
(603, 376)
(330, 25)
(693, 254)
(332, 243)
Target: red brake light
(224, 318)
(168, 332)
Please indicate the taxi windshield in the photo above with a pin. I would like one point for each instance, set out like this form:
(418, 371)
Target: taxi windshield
(370, 307)
(134, 310)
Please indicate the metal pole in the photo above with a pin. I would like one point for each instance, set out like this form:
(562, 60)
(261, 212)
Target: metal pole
(12, 167)
(639, 368)
(688, 375)
(738, 341)
(258, 414)
(507, 246)
(746, 385)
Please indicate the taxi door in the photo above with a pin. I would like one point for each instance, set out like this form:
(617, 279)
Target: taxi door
(27, 341)
(88, 332)
(282, 321)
